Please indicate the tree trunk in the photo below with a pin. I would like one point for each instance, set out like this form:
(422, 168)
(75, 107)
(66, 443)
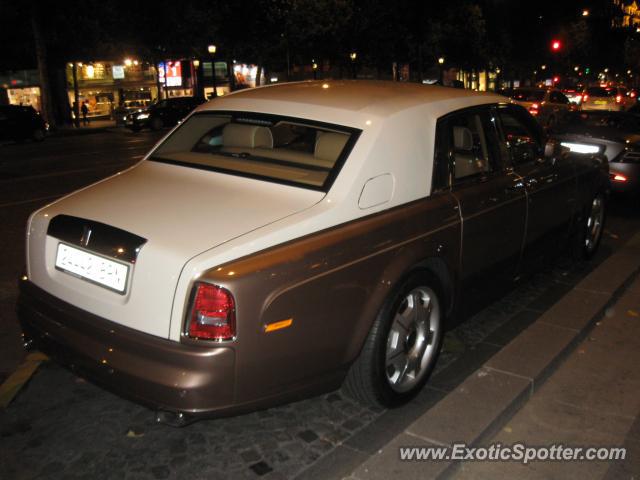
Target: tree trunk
(258, 74)
(43, 73)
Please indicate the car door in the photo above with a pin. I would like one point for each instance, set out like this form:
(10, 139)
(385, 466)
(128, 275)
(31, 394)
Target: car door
(550, 184)
(492, 204)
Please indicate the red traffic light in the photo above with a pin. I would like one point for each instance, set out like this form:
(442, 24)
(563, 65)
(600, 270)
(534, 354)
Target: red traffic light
(556, 45)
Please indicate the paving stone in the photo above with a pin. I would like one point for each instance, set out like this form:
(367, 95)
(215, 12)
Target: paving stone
(386, 464)
(468, 411)
(531, 353)
(609, 277)
(509, 330)
(467, 363)
(577, 309)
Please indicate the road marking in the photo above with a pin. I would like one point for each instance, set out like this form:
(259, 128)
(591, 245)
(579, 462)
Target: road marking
(12, 385)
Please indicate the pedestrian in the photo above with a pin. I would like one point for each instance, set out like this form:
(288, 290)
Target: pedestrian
(85, 111)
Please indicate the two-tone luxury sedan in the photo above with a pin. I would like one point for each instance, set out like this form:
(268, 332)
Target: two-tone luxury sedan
(288, 239)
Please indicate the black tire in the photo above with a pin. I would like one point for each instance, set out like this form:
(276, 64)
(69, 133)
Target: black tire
(156, 124)
(371, 377)
(591, 228)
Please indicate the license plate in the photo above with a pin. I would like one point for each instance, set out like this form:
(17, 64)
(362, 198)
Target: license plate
(93, 268)
(600, 102)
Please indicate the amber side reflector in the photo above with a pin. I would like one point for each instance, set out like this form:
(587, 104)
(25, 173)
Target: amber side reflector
(272, 327)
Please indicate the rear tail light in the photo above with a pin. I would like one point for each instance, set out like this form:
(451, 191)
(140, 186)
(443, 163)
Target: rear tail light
(632, 94)
(585, 97)
(213, 313)
(618, 98)
(618, 178)
(533, 109)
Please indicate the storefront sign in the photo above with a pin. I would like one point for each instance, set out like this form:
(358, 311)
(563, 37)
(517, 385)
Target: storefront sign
(170, 74)
(118, 72)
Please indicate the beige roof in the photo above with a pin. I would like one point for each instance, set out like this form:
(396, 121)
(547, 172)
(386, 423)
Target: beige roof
(364, 96)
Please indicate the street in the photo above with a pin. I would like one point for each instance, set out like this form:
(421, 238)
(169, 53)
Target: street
(61, 426)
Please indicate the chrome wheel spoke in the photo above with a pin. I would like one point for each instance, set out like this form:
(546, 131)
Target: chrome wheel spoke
(414, 330)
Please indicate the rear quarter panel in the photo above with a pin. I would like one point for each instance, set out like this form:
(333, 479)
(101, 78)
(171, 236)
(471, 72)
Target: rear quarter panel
(332, 284)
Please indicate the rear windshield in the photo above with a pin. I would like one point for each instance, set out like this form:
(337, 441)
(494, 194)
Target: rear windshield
(528, 95)
(601, 92)
(280, 149)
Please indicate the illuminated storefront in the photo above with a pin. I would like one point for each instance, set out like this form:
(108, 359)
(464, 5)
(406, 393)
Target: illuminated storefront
(22, 88)
(106, 87)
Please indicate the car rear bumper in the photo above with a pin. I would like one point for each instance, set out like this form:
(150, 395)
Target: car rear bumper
(154, 371)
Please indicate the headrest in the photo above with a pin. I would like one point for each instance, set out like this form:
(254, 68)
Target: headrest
(329, 145)
(249, 136)
(462, 138)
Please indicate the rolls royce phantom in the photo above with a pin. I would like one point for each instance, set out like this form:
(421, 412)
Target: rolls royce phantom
(285, 240)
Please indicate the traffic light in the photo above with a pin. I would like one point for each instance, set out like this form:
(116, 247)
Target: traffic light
(556, 45)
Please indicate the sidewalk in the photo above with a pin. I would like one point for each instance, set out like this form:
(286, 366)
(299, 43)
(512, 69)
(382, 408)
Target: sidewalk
(94, 126)
(592, 400)
(570, 378)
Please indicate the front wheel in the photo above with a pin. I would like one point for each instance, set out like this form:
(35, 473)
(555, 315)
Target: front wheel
(402, 347)
(590, 230)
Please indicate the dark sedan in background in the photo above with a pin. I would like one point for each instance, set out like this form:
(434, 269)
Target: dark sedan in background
(166, 113)
(21, 123)
(616, 135)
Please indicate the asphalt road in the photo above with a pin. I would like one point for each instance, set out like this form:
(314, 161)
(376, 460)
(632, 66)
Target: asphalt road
(63, 427)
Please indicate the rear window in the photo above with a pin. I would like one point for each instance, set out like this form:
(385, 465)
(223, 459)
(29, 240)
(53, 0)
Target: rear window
(601, 92)
(528, 95)
(280, 149)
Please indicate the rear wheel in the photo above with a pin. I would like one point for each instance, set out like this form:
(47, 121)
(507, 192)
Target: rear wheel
(402, 347)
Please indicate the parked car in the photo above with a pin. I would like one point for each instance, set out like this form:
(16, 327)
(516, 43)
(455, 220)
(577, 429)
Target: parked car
(616, 135)
(165, 113)
(607, 98)
(121, 112)
(21, 123)
(549, 106)
(287, 239)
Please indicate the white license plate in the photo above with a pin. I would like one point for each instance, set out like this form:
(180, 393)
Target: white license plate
(92, 267)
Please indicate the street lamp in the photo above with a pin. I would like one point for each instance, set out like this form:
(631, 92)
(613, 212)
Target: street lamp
(353, 56)
(441, 60)
(196, 65)
(212, 51)
(585, 13)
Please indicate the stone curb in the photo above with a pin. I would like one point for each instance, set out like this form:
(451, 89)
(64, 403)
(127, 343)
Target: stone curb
(486, 399)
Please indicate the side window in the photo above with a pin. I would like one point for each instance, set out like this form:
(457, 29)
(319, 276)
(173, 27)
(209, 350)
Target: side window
(467, 147)
(522, 136)
(471, 153)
